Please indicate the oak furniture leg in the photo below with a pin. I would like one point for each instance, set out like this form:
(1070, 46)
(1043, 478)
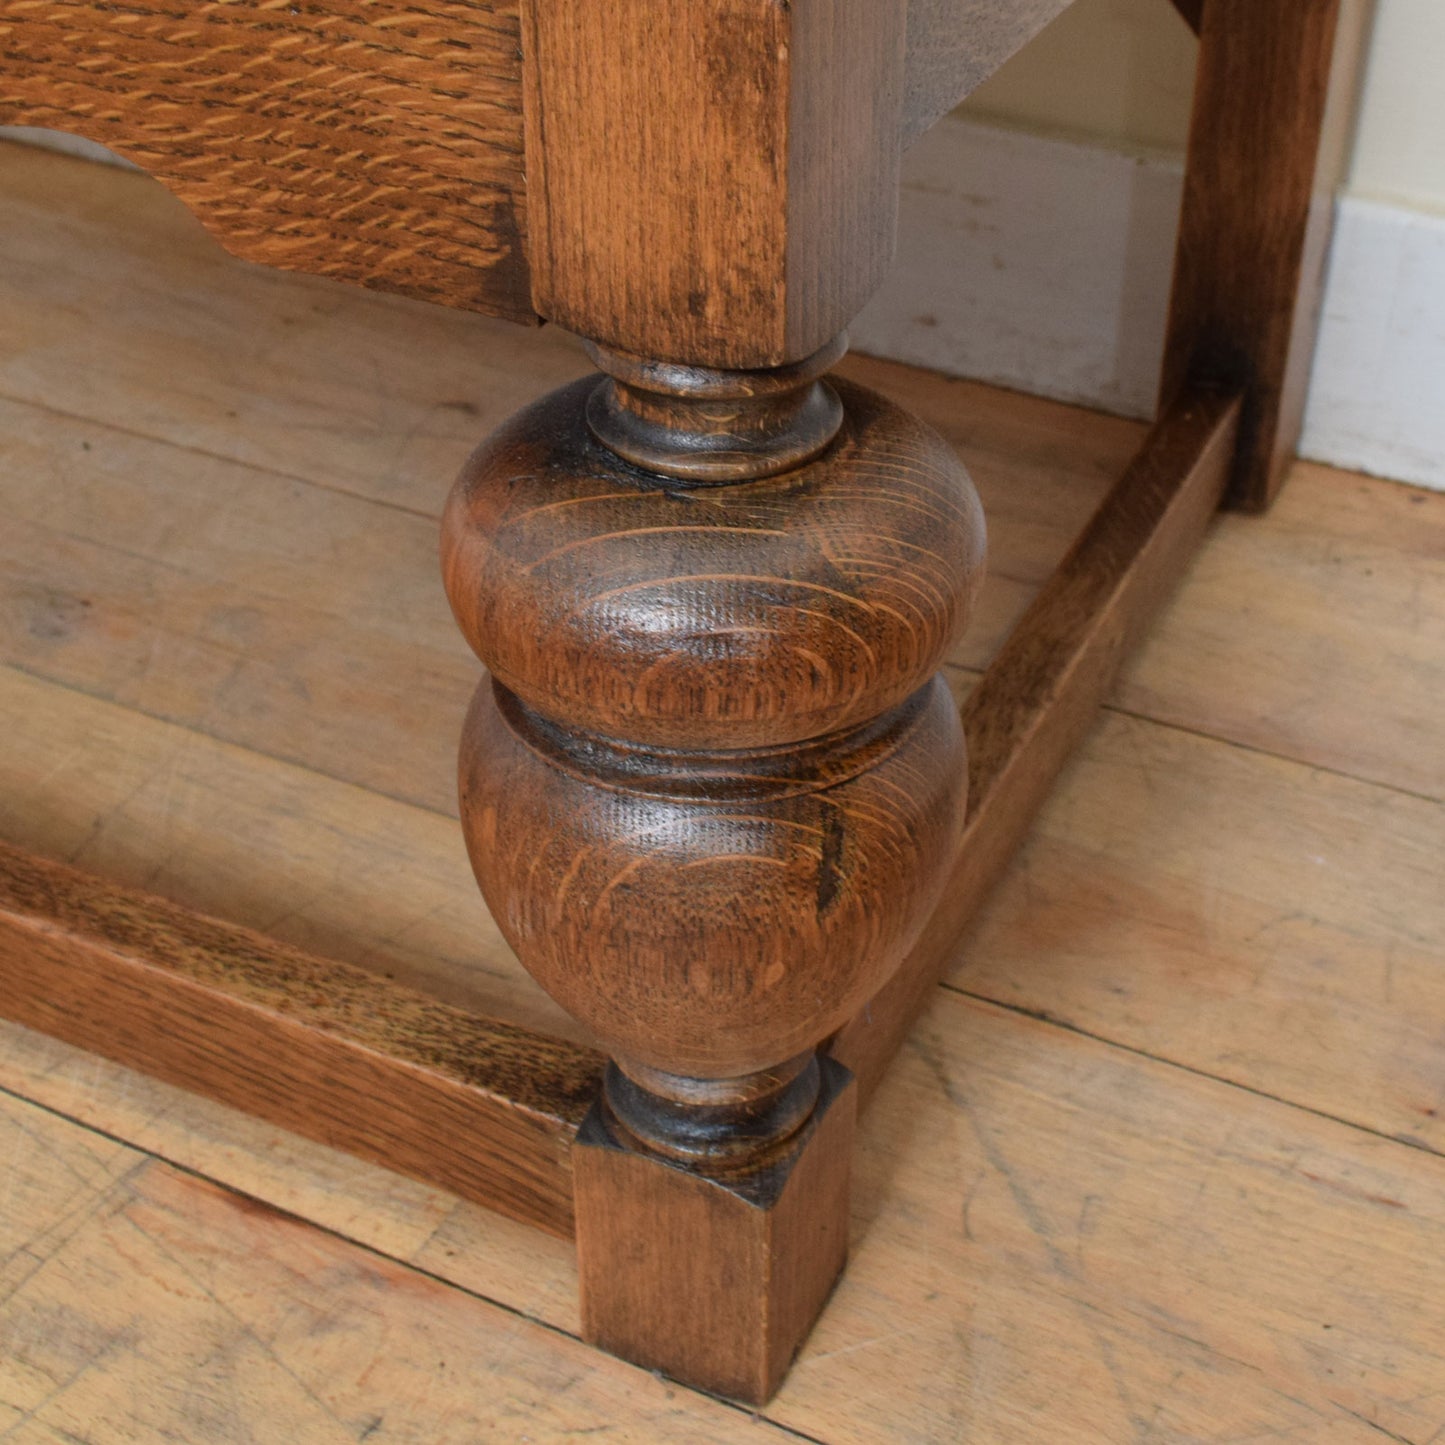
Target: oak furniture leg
(1273, 104)
(714, 791)
(714, 784)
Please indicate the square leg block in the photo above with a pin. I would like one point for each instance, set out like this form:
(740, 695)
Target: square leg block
(716, 1281)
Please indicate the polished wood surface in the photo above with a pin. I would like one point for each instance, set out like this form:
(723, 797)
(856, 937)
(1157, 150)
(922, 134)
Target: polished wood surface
(712, 184)
(727, 1293)
(712, 735)
(482, 1108)
(1041, 694)
(371, 140)
(1258, 212)
(714, 784)
(1230, 908)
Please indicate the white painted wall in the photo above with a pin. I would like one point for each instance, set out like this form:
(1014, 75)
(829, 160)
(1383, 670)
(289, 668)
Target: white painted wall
(1119, 73)
(1400, 145)
(1043, 264)
(1035, 220)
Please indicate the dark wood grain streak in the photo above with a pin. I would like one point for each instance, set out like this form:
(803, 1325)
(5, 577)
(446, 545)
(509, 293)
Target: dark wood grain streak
(376, 141)
(484, 1109)
(1040, 695)
(1267, 147)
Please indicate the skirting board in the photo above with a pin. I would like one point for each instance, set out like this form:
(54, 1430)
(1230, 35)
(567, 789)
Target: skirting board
(1044, 265)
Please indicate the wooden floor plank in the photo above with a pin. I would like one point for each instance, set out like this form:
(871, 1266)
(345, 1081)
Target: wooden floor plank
(138, 1303)
(307, 378)
(1057, 1236)
(1055, 1239)
(1251, 918)
(148, 325)
(325, 866)
(1314, 632)
(384, 398)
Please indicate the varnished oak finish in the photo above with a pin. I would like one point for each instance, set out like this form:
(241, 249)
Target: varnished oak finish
(724, 1296)
(722, 617)
(711, 791)
(711, 816)
(1273, 103)
(1040, 695)
(485, 1109)
(371, 140)
(715, 184)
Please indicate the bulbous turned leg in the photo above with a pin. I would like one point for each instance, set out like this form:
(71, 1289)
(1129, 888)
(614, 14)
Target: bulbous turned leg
(711, 792)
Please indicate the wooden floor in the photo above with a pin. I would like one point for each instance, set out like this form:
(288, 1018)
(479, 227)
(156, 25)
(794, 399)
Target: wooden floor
(1164, 1161)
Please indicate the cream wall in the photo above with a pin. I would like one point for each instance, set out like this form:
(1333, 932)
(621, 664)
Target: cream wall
(1400, 145)
(1119, 72)
(1038, 229)
(1113, 71)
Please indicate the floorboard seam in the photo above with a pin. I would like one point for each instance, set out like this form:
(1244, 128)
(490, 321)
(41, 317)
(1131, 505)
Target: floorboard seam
(1053, 1021)
(192, 449)
(190, 1172)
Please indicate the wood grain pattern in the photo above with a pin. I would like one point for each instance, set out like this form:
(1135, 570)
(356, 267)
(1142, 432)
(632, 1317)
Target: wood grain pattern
(710, 791)
(486, 1109)
(719, 617)
(1258, 214)
(725, 1294)
(711, 184)
(371, 140)
(138, 1303)
(714, 730)
(1043, 690)
(1151, 907)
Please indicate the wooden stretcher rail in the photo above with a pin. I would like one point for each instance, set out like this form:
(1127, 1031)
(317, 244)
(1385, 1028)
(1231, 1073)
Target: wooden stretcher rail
(1040, 694)
(489, 1110)
(485, 1109)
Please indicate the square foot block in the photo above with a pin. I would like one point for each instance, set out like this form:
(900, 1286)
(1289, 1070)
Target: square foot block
(715, 1281)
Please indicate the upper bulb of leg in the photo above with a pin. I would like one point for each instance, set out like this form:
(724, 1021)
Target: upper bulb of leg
(724, 616)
